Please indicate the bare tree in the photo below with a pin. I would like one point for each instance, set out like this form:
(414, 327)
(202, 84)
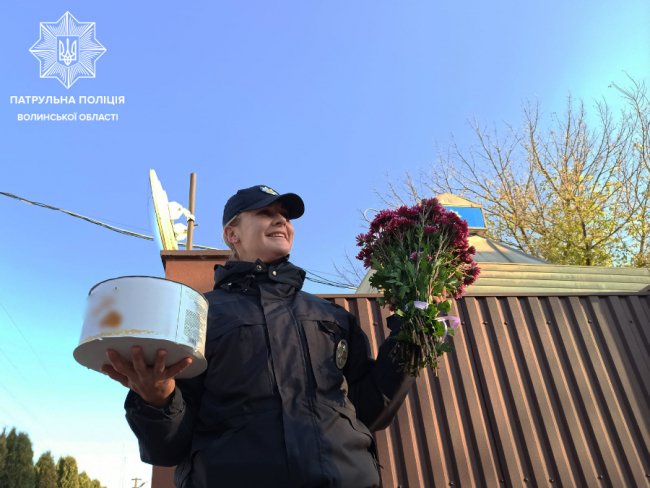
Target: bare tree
(637, 241)
(573, 189)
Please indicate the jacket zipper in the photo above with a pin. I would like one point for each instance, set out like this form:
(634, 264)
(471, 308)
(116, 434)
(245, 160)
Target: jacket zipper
(311, 381)
(269, 357)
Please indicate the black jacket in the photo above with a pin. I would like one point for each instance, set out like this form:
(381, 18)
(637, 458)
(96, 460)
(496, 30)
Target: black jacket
(280, 403)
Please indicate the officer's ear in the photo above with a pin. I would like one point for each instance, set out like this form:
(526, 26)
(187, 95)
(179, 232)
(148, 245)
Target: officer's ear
(230, 235)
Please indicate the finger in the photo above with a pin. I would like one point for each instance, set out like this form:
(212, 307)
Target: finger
(176, 368)
(118, 362)
(114, 375)
(139, 365)
(159, 365)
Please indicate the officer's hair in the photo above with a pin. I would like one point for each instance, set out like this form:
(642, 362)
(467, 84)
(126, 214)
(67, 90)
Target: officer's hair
(234, 222)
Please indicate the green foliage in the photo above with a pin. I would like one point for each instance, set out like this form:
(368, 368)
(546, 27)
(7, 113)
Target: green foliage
(84, 480)
(18, 463)
(46, 474)
(68, 474)
(3, 453)
(17, 469)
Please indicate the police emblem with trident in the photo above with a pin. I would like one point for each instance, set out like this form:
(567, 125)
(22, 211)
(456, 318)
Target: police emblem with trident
(68, 51)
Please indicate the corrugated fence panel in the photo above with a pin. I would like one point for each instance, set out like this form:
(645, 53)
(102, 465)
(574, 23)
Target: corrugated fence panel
(540, 391)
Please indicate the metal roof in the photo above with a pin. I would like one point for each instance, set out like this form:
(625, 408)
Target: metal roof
(506, 271)
(493, 251)
(509, 279)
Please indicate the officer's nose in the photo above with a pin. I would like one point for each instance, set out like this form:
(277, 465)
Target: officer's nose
(279, 219)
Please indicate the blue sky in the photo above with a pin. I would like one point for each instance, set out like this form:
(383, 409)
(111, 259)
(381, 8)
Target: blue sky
(331, 100)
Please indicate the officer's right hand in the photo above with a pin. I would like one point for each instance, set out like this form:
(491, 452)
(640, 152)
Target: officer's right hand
(155, 384)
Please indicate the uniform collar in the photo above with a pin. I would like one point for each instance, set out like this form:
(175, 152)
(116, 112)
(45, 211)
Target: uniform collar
(246, 274)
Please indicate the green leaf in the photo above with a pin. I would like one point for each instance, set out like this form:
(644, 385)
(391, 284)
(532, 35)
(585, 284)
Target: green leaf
(445, 306)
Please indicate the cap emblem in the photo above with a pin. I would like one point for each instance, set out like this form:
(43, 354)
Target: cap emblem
(268, 190)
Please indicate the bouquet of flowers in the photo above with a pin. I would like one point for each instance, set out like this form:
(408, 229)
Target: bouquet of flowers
(420, 255)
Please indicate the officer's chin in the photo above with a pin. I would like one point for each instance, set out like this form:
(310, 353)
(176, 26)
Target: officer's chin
(275, 257)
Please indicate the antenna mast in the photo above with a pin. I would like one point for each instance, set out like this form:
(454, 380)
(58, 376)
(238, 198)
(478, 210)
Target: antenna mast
(190, 220)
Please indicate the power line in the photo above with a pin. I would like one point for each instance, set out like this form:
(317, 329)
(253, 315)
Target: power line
(89, 219)
(314, 277)
(31, 348)
(20, 374)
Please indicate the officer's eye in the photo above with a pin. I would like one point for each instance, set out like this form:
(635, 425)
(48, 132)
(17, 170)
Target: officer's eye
(270, 213)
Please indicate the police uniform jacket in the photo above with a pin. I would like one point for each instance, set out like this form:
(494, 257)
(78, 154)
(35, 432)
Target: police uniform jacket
(290, 395)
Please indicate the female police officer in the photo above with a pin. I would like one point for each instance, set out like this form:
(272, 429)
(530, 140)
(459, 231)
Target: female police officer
(290, 394)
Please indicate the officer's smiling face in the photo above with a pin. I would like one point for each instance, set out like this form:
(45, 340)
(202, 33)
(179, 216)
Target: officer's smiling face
(264, 234)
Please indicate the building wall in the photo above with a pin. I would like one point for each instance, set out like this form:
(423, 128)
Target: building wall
(540, 391)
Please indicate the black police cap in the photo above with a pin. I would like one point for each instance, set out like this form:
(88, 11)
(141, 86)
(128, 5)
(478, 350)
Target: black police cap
(261, 196)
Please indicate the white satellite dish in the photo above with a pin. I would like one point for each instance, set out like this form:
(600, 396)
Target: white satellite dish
(166, 231)
(163, 225)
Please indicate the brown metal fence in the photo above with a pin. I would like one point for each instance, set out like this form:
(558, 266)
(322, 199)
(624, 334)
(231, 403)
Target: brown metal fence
(540, 391)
